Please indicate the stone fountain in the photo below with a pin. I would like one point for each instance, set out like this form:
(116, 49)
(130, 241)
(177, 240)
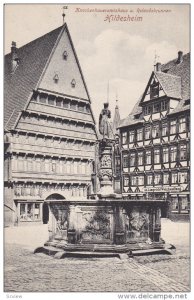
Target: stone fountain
(105, 224)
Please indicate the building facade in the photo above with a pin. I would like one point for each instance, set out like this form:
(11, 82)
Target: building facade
(50, 132)
(155, 140)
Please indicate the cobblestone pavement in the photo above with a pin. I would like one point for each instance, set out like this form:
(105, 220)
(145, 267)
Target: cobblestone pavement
(27, 272)
(176, 268)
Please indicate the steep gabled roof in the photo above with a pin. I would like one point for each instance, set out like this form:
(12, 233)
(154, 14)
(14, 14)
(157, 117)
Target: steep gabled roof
(171, 84)
(19, 85)
(175, 79)
(129, 120)
(180, 69)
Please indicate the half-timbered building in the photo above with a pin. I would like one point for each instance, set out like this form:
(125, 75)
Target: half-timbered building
(49, 127)
(155, 139)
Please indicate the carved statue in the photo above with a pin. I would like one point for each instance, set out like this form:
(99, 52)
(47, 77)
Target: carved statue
(105, 127)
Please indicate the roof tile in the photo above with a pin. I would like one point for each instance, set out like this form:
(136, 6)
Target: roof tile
(175, 78)
(19, 85)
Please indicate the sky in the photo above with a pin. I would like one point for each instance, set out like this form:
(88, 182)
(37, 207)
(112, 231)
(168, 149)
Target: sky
(119, 54)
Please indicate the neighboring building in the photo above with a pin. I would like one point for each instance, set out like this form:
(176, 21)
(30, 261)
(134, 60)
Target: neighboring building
(155, 140)
(49, 127)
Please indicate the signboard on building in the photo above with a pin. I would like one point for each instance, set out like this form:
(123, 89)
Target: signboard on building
(164, 189)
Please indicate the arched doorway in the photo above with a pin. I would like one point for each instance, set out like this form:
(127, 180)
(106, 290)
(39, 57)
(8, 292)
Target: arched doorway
(58, 209)
(45, 213)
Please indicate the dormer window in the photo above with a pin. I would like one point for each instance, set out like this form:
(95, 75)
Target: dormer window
(73, 83)
(156, 107)
(147, 110)
(56, 78)
(154, 90)
(65, 55)
(164, 105)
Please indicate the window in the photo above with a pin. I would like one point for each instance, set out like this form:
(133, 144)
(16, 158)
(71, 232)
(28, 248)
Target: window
(37, 211)
(174, 177)
(182, 177)
(131, 136)
(164, 105)
(183, 152)
(53, 167)
(132, 159)
(157, 179)
(83, 168)
(81, 107)
(38, 166)
(47, 166)
(66, 103)
(42, 98)
(165, 154)
(58, 102)
(56, 78)
(184, 203)
(149, 179)
(124, 138)
(22, 211)
(134, 180)
(139, 134)
(175, 204)
(51, 100)
(29, 165)
(148, 110)
(182, 124)
(156, 156)
(148, 157)
(65, 55)
(164, 129)
(20, 164)
(147, 132)
(125, 161)
(29, 211)
(173, 153)
(126, 181)
(165, 178)
(140, 158)
(75, 167)
(73, 83)
(154, 90)
(155, 131)
(141, 180)
(73, 105)
(156, 107)
(173, 126)
(87, 109)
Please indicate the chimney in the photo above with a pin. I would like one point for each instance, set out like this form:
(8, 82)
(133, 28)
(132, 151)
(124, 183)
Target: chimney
(14, 56)
(180, 57)
(158, 67)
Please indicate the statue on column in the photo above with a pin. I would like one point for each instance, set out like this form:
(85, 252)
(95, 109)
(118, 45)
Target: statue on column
(105, 127)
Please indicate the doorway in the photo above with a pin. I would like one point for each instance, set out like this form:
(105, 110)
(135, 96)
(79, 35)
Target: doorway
(45, 214)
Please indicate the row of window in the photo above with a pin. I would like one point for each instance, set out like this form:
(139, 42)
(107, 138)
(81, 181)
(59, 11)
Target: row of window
(49, 141)
(38, 190)
(154, 131)
(59, 123)
(156, 179)
(51, 166)
(60, 102)
(156, 156)
(155, 107)
(180, 205)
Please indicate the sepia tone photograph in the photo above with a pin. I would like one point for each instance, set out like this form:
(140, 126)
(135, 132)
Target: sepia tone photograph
(97, 148)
